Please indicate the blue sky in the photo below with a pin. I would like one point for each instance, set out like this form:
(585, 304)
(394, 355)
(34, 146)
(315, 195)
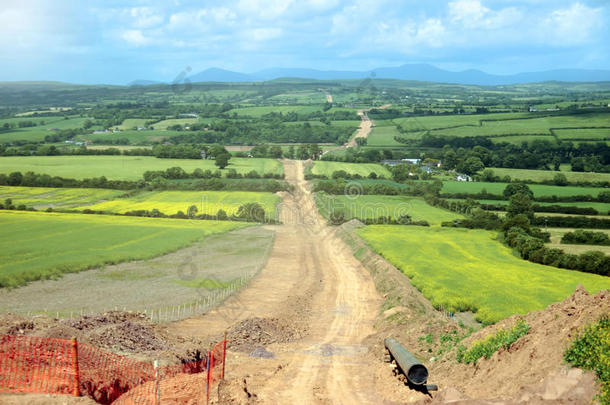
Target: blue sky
(119, 41)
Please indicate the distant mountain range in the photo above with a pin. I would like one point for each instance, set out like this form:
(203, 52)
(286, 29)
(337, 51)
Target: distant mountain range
(418, 72)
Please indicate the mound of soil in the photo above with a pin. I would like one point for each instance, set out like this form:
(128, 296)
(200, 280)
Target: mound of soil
(253, 333)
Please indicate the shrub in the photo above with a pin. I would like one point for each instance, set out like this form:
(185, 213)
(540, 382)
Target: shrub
(591, 351)
(251, 212)
(487, 347)
(336, 217)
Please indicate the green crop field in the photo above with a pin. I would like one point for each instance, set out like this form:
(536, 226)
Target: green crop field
(43, 197)
(542, 175)
(602, 134)
(538, 189)
(38, 133)
(462, 269)
(383, 136)
(521, 126)
(602, 208)
(375, 206)
(132, 123)
(36, 245)
(124, 167)
(134, 136)
(162, 125)
(260, 111)
(363, 169)
(207, 202)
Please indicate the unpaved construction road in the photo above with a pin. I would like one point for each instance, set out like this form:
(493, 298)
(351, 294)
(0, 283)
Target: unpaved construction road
(363, 130)
(311, 283)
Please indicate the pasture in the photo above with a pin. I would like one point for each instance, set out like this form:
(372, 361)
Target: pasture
(39, 132)
(262, 110)
(462, 270)
(43, 197)
(170, 202)
(539, 190)
(375, 206)
(125, 167)
(325, 168)
(35, 245)
(547, 175)
(383, 136)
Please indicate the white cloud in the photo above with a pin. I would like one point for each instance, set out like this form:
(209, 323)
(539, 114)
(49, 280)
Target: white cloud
(575, 24)
(144, 17)
(263, 34)
(263, 9)
(467, 12)
(135, 38)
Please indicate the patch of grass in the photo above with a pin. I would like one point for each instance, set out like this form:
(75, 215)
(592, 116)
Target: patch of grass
(125, 167)
(375, 206)
(39, 132)
(542, 175)
(591, 351)
(462, 270)
(35, 245)
(207, 202)
(363, 169)
(41, 197)
(539, 190)
(383, 136)
(488, 346)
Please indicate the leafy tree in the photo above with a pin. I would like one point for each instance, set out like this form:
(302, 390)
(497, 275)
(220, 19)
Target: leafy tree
(520, 204)
(470, 166)
(515, 188)
(192, 211)
(222, 161)
(221, 215)
(252, 212)
(560, 179)
(14, 179)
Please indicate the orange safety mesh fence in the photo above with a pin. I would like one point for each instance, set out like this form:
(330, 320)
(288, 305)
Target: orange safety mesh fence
(30, 364)
(44, 365)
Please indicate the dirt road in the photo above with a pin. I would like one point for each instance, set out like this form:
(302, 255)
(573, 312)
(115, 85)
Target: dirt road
(313, 283)
(363, 130)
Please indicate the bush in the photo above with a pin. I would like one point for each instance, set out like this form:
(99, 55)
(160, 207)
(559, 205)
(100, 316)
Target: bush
(336, 217)
(251, 212)
(591, 351)
(581, 237)
(487, 347)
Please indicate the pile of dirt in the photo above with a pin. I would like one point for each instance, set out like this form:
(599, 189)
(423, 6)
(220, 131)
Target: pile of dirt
(526, 369)
(252, 333)
(127, 333)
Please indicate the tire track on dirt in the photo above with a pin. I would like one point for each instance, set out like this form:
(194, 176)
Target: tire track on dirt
(311, 279)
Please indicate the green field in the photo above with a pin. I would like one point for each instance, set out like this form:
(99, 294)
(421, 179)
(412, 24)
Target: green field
(542, 175)
(602, 208)
(462, 269)
(132, 123)
(134, 136)
(602, 134)
(124, 167)
(43, 197)
(38, 133)
(207, 202)
(497, 188)
(383, 136)
(375, 206)
(363, 169)
(162, 125)
(36, 245)
(260, 111)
